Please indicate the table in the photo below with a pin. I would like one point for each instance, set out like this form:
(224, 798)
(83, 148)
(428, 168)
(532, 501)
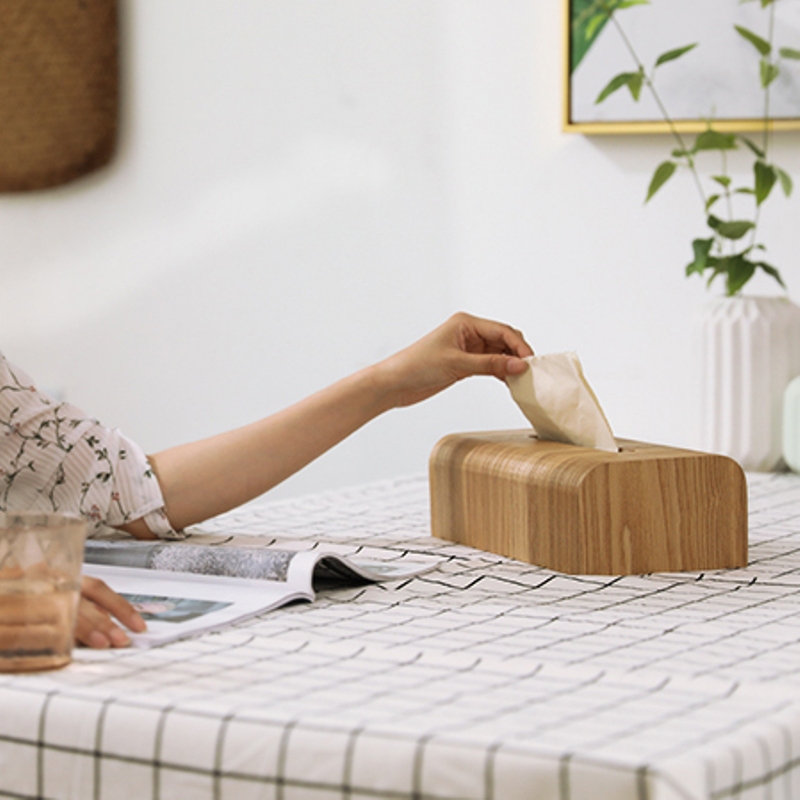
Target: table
(486, 678)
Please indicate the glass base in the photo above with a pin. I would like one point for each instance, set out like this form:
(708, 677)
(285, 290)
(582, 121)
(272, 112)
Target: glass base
(33, 662)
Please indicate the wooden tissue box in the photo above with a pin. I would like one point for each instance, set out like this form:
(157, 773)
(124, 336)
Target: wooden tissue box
(647, 508)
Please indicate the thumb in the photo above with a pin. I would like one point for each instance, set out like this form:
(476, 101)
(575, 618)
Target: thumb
(498, 365)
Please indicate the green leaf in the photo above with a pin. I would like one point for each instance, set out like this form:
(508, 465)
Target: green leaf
(768, 73)
(722, 180)
(785, 179)
(760, 44)
(664, 171)
(753, 146)
(744, 190)
(633, 80)
(671, 55)
(681, 153)
(715, 272)
(772, 272)
(738, 272)
(631, 3)
(714, 140)
(711, 200)
(701, 249)
(586, 21)
(592, 25)
(738, 269)
(765, 178)
(733, 229)
(635, 85)
(789, 52)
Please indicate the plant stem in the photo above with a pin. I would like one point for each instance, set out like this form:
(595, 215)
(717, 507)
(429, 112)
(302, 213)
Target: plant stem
(770, 39)
(766, 132)
(661, 107)
(728, 195)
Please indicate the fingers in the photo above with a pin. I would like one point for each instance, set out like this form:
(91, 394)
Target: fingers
(459, 348)
(107, 599)
(95, 626)
(514, 366)
(482, 335)
(498, 365)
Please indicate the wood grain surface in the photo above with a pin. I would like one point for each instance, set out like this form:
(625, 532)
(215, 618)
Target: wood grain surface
(647, 508)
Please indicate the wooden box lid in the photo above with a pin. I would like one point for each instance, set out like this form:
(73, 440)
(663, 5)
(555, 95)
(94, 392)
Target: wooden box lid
(647, 508)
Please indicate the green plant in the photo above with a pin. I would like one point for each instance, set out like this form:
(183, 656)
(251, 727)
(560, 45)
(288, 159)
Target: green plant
(732, 249)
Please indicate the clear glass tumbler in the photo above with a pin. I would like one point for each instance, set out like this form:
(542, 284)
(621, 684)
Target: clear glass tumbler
(40, 568)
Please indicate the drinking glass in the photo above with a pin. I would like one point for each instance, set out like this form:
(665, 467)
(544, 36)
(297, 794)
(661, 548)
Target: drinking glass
(40, 567)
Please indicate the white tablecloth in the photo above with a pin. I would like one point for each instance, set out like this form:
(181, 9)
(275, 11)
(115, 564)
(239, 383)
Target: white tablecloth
(486, 678)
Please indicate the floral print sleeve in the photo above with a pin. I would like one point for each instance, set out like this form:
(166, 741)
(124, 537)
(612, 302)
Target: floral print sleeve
(55, 458)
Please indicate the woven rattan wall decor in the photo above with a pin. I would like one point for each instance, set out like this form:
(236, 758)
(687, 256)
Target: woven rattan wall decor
(59, 90)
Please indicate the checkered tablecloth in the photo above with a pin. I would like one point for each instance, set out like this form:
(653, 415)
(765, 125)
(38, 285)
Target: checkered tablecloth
(486, 678)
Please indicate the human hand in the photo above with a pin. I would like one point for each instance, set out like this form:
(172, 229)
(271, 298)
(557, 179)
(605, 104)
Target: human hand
(99, 604)
(461, 347)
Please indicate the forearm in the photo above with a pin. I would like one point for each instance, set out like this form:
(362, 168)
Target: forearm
(205, 478)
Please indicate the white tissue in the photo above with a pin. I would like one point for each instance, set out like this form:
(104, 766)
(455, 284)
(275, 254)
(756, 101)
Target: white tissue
(554, 395)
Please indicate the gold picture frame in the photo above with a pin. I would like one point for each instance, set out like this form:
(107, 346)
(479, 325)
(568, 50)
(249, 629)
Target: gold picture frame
(721, 84)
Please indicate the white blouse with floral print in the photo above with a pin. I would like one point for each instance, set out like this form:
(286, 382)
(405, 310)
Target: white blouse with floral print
(55, 458)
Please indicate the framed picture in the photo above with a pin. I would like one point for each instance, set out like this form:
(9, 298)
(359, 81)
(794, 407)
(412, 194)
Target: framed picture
(718, 79)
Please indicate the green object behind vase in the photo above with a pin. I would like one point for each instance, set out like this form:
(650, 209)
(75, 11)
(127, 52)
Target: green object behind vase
(791, 425)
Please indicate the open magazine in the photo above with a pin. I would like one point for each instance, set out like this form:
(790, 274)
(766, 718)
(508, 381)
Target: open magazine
(182, 589)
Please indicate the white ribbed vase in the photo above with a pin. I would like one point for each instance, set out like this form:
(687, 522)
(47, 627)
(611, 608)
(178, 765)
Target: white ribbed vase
(750, 350)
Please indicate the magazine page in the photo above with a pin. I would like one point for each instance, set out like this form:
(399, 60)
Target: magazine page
(333, 568)
(235, 562)
(178, 604)
(257, 560)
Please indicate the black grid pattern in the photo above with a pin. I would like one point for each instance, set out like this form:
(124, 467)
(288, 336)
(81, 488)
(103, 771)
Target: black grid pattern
(486, 679)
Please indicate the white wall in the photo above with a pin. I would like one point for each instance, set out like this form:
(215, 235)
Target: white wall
(303, 187)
